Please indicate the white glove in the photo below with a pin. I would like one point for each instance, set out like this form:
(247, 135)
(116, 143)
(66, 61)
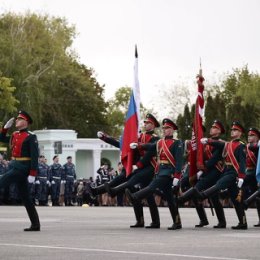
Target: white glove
(48, 183)
(240, 182)
(258, 143)
(175, 182)
(52, 182)
(199, 173)
(64, 181)
(9, 123)
(135, 167)
(75, 181)
(37, 182)
(204, 140)
(100, 134)
(133, 145)
(31, 179)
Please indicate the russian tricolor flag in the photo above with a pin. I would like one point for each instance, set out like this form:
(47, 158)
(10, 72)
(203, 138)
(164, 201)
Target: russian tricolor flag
(131, 126)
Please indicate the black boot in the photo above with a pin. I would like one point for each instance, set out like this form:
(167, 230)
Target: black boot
(98, 190)
(175, 217)
(154, 213)
(201, 213)
(34, 218)
(209, 192)
(252, 198)
(115, 190)
(258, 212)
(219, 212)
(139, 195)
(241, 216)
(139, 215)
(186, 196)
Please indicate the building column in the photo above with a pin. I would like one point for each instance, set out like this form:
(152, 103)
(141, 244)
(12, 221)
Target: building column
(96, 162)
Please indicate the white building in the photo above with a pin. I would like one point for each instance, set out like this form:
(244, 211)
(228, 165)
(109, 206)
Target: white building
(86, 152)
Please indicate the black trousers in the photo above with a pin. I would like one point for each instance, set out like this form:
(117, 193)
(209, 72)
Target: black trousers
(18, 174)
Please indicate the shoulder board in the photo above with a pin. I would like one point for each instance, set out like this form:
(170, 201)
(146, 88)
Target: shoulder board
(241, 142)
(31, 133)
(154, 135)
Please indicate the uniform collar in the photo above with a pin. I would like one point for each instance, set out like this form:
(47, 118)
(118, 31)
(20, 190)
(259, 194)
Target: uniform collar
(150, 132)
(168, 137)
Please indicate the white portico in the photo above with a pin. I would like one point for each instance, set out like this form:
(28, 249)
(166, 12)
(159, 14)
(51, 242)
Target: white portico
(86, 152)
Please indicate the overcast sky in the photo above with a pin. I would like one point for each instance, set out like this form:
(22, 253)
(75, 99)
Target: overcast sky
(171, 36)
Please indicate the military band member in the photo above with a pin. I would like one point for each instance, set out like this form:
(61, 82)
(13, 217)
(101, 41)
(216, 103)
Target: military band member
(24, 164)
(233, 175)
(169, 155)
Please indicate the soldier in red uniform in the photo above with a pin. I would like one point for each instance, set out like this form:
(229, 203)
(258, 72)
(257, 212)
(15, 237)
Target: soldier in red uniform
(24, 164)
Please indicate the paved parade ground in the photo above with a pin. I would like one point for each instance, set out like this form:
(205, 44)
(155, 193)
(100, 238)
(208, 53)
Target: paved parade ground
(104, 233)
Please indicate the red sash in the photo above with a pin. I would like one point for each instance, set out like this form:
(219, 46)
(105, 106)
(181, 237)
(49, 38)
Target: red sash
(218, 165)
(163, 147)
(230, 148)
(251, 155)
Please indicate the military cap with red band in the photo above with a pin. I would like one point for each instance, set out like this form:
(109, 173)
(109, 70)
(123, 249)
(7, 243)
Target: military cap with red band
(168, 122)
(151, 119)
(219, 125)
(24, 115)
(236, 125)
(254, 131)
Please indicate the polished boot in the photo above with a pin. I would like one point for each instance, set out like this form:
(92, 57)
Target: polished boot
(219, 212)
(98, 190)
(34, 218)
(139, 195)
(186, 196)
(115, 190)
(241, 216)
(139, 215)
(209, 192)
(250, 199)
(154, 215)
(201, 213)
(175, 217)
(258, 212)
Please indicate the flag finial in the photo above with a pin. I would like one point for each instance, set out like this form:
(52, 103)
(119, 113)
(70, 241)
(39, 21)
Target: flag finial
(136, 53)
(200, 71)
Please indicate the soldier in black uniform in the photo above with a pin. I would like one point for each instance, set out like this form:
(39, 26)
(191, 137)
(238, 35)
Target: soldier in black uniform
(70, 179)
(24, 164)
(233, 175)
(142, 175)
(169, 155)
(207, 177)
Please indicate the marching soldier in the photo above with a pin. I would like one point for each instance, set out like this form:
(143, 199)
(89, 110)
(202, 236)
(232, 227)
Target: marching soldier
(42, 182)
(24, 164)
(233, 175)
(207, 177)
(251, 161)
(143, 175)
(56, 176)
(169, 154)
(70, 179)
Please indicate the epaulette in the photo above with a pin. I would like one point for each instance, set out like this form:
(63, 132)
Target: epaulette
(32, 133)
(154, 135)
(241, 142)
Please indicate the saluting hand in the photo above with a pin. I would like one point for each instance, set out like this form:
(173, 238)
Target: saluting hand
(9, 123)
(204, 140)
(100, 134)
(133, 145)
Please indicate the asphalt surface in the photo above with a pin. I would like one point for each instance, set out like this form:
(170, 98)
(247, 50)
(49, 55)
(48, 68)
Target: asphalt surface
(104, 233)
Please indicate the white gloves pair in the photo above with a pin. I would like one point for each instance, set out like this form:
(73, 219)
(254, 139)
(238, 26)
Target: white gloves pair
(37, 182)
(199, 173)
(63, 181)
(31, 179)
(100, 134)
(204, 140)
(133, 145)
(240, 182)
(175, 182)
(9, 123)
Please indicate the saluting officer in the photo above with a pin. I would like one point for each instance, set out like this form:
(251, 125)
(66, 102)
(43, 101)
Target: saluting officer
(24, 164)
(169, 162)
